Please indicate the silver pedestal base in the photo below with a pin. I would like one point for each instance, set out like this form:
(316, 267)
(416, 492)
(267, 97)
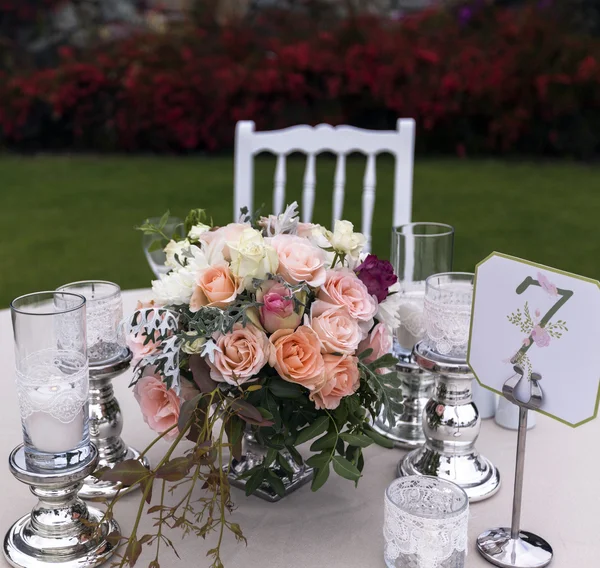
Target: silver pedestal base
(405, 436)
(474, 473)
(94, 489)
(60, 531)
(302, 476)
(23, 548)
(528, 551)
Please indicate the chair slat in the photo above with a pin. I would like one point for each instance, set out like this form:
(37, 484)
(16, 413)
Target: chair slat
(279, 196)
(339, 184)
(368, 199)
(308, 192)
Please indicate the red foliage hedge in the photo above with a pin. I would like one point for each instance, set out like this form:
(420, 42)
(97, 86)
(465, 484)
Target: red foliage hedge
(494, 80)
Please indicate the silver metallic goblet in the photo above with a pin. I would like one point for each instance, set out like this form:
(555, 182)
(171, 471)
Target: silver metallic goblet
(108, 358)
(451, 422)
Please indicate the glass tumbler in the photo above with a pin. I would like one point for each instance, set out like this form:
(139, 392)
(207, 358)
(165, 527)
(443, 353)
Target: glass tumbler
(157, 258)
(447, 310)
(105, 339)
(418, 251)
(52, 377)
(425, 523)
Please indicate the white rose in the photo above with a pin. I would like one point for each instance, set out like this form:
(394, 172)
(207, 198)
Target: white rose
(195, 346)
(176, 253)
(197, 230)
(345, 240)
(175, 288)
(251, 257)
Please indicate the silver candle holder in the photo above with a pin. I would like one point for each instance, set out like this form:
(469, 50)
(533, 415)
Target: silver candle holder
(56, 456)
(451, 422)
(108, 358)
(418, 251)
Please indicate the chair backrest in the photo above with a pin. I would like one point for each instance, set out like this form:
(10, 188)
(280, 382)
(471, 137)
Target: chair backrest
(340, 140)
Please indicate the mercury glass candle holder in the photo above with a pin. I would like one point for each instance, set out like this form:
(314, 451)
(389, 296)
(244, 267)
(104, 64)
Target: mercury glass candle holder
(156, 257)
(109, 357)
(52, 388)
(451, 421)
(52, 377)
(418, 250)
(425, 524)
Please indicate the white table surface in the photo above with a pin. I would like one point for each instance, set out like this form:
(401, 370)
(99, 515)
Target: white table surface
(340, 526)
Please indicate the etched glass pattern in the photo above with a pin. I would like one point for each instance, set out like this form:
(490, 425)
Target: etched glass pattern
(447, 313)
(425, 523)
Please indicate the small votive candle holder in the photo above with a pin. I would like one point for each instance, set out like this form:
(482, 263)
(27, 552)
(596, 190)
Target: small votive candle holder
(52, 378)
(425, 523)
(105, 340)
(447, 313)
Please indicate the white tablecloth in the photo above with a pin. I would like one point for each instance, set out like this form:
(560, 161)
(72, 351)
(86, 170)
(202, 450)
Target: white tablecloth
(341, 526)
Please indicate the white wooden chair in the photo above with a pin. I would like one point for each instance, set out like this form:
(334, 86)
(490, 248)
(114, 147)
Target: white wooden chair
(340, 140)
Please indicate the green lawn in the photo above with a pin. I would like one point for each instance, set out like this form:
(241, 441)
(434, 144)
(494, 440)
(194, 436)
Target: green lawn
(72, 218)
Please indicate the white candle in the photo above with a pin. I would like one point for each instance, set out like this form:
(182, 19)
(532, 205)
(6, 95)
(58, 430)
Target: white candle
(46, 432)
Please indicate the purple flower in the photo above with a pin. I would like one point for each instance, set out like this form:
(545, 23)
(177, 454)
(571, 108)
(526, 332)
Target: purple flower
(464, 14)
(377, 275)
(540, 336)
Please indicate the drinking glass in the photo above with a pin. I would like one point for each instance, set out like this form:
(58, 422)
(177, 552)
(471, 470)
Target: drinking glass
(425, 523)
(105, 340)
(418, 251)
(156, 259)
(52, 377)
(447, 311)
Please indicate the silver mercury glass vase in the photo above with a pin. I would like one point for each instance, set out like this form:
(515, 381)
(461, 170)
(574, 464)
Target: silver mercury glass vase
(253, 454)
(451, 422)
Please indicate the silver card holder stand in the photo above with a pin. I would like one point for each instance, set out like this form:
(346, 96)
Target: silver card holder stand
(512, 547)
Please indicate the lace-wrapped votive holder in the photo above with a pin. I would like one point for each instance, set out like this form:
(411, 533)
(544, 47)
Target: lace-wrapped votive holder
(447, 313)
(52, 378)
(425, 523)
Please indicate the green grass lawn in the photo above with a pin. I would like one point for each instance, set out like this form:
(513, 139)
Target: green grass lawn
(72, 218)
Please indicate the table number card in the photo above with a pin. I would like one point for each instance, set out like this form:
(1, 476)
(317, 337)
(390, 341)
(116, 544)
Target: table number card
(545, 321)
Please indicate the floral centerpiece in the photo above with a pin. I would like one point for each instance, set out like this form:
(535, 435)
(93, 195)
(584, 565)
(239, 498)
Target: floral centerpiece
(268, 326)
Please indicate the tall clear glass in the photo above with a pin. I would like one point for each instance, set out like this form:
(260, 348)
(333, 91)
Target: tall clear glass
(104, 307)
(156, 258)
(418, 251)
(425, 523)
(52, 377)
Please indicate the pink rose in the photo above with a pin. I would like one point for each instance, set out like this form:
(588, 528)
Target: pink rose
(305, 230)
(138, 349)
(160, 407)
(243, 353)
(439, 410)
(337, 330)
(540, 336)
(341, 379)
(299, 260)
(222, 236)
(215, 287)
(546, 284)
(277, 311)
(296, 356)
(342, 287)
(380, 341)
(526, 341)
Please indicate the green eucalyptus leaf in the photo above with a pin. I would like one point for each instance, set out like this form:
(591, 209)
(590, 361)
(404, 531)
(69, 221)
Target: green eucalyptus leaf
(379, 439)
(156, 245)
(255, 481)
(283, 389)
(319, 461)
(317, 427)
(164, 219)
(345, 469)
(327, 442)
(275, 482)
(359, 440)
(320, 477)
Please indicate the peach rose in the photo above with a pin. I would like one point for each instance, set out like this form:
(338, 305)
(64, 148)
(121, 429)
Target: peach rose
(296, 356)
(137, 347)
(337, 330)
(215, 287)
(299, 260)
(277, 311)
(243, 353)
(341, 379)
(342, 287)
(380, 341)
(161, 407)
